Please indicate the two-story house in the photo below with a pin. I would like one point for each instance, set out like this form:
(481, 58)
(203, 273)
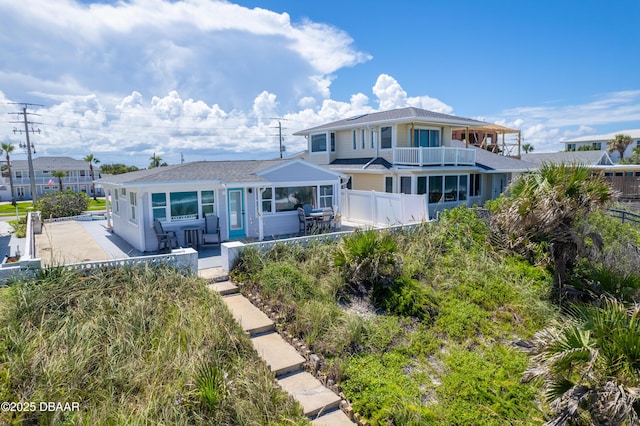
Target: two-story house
(77, 179)
(601, 142)
(412, 151)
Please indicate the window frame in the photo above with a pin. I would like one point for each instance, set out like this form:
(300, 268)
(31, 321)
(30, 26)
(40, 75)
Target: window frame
(383, 137)
(318, 145)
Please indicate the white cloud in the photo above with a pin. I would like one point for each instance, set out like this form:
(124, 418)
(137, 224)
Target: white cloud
(391, 95)
(547, 126)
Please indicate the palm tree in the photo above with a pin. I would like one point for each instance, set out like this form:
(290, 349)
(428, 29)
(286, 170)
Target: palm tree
(619, 143)
(590, 366)
(91, 159)
(59, 174)
(541, 209)
(156, 161)
(527, 148)
(7, 148)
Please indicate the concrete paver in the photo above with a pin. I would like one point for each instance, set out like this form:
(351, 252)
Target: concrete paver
(67, 242)
(252, 319)
(280, 356)
(334, 418)
(310, 393)
(224, 288)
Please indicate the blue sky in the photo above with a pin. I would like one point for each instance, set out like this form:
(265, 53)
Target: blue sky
(204, 79)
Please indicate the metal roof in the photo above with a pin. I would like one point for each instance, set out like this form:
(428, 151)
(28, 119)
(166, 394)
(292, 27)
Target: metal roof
(495, 162)
(395, 116)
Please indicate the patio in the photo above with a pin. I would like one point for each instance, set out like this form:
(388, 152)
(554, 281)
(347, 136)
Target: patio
(84, 241)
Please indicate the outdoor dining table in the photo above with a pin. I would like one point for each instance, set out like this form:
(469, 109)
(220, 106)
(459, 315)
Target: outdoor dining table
(192, 235)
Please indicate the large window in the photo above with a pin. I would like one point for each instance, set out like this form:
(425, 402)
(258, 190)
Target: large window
(426, 138)
(385, 138)
(284, 199)
(292, 197)
(184, 205)
(319, 143)
(435, 189)
(207, 200)
(159, 206)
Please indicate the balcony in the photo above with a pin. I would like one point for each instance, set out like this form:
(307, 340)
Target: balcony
(440, 156)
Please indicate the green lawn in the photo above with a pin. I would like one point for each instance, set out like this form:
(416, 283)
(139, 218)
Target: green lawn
(8, 210)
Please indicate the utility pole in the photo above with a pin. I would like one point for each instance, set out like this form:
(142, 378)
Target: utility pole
(282, 148)
(32, 177)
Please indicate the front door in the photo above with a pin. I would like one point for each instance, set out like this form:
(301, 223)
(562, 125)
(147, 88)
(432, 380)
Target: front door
(236, 213)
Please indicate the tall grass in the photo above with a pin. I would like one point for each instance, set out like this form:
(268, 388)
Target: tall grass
(132, 346)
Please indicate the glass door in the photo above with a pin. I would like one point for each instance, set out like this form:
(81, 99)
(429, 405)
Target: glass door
(236, 213)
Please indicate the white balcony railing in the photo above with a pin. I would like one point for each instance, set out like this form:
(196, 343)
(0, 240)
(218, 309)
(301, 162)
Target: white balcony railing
(440, 156)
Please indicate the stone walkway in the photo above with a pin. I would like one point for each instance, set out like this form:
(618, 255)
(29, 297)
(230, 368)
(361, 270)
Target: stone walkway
(320, 404)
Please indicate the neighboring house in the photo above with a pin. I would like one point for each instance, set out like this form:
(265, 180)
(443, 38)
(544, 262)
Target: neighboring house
(252, 198)
(624, 178)
(587, 158)
(78, 177)
(412, 151)
(600, 142)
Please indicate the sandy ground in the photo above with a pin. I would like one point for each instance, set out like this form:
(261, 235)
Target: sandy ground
(72, 244)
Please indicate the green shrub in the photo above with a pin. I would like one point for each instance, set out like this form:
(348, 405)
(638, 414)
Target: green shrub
(286, 282)
(382, 391)
(19, 227)
(62, 204)
(407, 297)
(484, 387)
(368, 259)
(247, 265)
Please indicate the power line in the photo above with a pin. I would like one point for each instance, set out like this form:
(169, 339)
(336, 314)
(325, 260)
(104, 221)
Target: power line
(32, 178)
(282, 148)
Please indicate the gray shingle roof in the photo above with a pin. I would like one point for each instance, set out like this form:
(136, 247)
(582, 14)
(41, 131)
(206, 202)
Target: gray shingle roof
(52, 163)
(490, 161)
(394, 115)
(222, 171)
(588, 158)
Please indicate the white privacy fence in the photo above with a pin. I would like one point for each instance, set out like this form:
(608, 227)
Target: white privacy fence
(383, 209)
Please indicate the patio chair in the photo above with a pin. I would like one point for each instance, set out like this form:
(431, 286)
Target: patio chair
(305, 223)
(165, 239)
(327, 217)
(211, 234)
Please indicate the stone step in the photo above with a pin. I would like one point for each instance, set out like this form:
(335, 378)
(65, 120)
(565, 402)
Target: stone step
(280, 356)
(252, 319)
(314, 398)
(225, 288)
(213, 274)
(333, 418)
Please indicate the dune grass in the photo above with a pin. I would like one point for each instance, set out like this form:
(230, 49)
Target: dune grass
(132, 346)
(440, 348)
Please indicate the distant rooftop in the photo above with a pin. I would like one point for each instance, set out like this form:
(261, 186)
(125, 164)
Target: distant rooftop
(633, 133)
(589, 158)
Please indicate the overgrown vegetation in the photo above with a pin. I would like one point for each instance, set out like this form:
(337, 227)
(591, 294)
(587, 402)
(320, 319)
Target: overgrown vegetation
(525, 317)
(403, 318)
(139, 346)
(62, 204)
